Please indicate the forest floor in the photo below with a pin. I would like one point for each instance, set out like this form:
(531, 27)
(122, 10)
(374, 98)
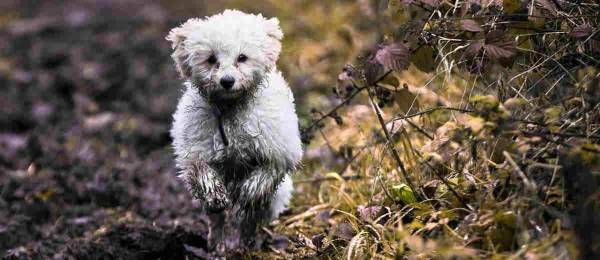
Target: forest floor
(86, 168)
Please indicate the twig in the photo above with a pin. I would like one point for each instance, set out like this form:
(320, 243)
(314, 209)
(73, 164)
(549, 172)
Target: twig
(529, 184)
(306, 214)
(349, 162)
(437, 174)
(346, 101)
(390, 144)
(475, 17)
(419, 129)
(564, 135)
(430, 110)
(319, 179)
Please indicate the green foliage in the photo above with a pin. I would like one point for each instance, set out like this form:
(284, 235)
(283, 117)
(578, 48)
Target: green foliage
(403, 193)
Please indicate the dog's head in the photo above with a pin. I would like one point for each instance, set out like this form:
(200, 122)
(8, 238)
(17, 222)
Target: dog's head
(226, 55)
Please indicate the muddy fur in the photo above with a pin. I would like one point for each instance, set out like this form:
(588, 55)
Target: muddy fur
(236, 147)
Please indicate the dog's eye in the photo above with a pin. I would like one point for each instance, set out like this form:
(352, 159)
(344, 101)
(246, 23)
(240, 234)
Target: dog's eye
(242, 58)
(212, 59)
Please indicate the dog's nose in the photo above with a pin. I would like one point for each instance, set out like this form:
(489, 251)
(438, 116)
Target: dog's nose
(227, 82)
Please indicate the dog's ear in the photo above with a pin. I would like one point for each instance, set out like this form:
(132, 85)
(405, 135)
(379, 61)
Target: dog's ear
(177, 37)
(272, 28)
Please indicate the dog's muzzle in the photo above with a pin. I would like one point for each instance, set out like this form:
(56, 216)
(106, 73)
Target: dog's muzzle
(227, 82)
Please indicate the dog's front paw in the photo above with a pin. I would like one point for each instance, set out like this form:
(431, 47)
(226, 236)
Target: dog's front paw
(217, 200)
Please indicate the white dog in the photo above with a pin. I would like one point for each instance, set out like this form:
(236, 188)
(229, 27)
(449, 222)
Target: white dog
(235, 130)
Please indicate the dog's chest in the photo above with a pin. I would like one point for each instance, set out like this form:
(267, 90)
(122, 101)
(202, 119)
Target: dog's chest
(245, 146)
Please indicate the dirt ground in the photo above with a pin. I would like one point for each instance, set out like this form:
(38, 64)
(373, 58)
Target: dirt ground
(86, 168)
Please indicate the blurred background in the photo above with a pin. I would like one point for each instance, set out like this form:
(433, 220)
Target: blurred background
(88, 89)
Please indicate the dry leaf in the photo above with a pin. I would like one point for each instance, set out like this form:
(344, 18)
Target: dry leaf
(394, 56)
(498, 46)
(424, 59)
(432, 3)
(546, 4)
(473, 49)
(511, 6)
(581, 31)
(474, 123)
(372, 70)
(470, 25)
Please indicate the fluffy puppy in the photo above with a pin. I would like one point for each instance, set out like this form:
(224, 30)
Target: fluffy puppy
(235, 130)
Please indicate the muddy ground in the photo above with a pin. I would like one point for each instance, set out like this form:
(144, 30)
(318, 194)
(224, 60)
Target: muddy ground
(86, 168)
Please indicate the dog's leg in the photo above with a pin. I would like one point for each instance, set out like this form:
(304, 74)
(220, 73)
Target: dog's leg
(204, 184)
(216, 232)
(255, 197)
(257, 190)
(250, 220)
(282, 197)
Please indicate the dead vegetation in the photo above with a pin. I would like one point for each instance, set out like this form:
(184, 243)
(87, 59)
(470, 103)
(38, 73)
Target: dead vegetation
(470, 129)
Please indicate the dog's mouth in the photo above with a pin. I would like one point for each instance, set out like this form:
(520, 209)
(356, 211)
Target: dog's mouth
(227, 94)
(230, 93)
(227, 97)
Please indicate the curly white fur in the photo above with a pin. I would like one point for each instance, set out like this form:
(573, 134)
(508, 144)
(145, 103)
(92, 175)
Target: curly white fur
(244, 168)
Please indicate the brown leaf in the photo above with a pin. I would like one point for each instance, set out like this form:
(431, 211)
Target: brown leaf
(394, 56)
(473, 49)
(546, 4)
(344, 231)
(470, 25)
(372, 71)
(581, 31)
(432, 3)
(511, 6)
(498, 46)
(424, 59)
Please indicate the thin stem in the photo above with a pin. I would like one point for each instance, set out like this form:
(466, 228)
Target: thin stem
(346, 101)
(431, 110)
(393, 150)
